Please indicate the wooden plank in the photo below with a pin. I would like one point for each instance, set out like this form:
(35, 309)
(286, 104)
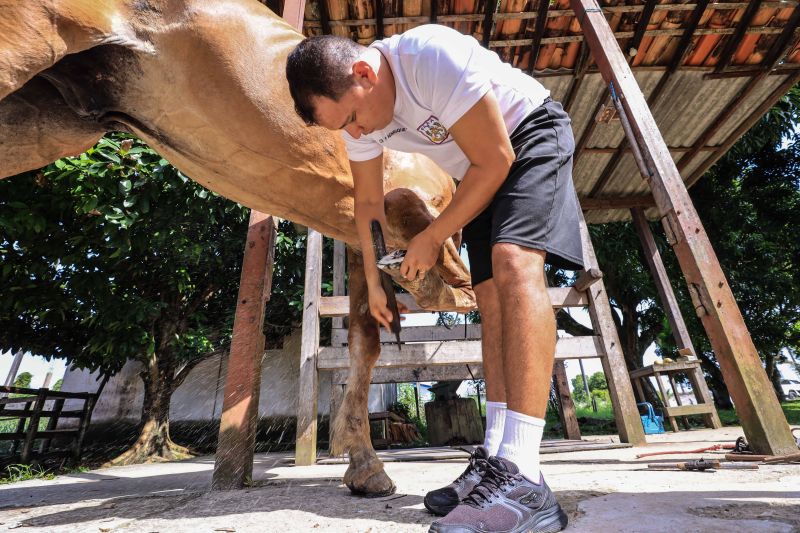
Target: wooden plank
(687, 410)
(538, 32)
(339, 269)
(25, 413)
(86, 418)
(666, 295)
(340, 305)
(733, 42)
(306, 442)
(703, 396)
(629, 423)
(762, 419)
(593, 204)
(33, 426)
(677, 366)
(641, 27)
(587, 278)
(236, 441)
(40, 435)
(461, 372)
(459, 332)
(450, 353)
(665, 402)
(18, 399)
(568, 418)
(488, 22)
(54, 416)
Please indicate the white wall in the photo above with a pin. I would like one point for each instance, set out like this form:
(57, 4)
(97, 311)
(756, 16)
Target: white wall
(200, 396)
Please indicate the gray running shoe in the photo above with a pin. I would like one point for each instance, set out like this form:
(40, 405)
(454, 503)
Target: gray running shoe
(505, 501)
(442, 501)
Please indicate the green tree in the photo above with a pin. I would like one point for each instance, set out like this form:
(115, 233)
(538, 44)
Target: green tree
(597, 381)
(23, 380)
(115, 255)
(57, 385)
(578, 389)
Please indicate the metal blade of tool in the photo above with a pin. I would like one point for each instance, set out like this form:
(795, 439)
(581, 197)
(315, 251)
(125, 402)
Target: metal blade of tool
(379, 246)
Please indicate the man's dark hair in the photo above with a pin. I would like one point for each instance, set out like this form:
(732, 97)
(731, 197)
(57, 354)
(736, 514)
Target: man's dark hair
(320, 66)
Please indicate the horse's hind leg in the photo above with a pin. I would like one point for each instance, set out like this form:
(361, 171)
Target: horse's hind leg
(365, 475)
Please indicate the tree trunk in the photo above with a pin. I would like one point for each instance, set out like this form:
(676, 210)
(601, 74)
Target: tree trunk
(774, 375)
(716, 385)
(154, 443)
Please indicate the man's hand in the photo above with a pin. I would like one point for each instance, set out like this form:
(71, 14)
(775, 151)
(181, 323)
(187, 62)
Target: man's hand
(423, 250)
(379, 308)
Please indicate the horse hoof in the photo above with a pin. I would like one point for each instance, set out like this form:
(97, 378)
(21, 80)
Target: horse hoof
(374, 485)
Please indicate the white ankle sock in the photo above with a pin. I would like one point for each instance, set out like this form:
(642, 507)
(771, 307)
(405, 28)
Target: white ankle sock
(521, 438)
(495, 420)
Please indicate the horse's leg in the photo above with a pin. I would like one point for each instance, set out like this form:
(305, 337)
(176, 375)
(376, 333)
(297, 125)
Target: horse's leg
(37, 127)
(447, 287)
(365, 474)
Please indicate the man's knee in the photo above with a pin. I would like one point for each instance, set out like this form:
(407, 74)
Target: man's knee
(513, 264)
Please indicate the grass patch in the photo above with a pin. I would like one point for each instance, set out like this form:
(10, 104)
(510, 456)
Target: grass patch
(791, 410)
(20, 472)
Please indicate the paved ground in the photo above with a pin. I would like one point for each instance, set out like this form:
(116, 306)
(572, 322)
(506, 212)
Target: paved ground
(602, 490)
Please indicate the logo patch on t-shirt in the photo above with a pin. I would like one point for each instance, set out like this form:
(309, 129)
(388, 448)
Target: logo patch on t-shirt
(433, 130)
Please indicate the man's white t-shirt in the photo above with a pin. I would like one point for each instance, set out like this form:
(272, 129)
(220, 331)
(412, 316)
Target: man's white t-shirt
(439, 75)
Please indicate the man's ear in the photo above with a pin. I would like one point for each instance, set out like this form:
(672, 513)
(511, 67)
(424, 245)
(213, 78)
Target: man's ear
(363, 72)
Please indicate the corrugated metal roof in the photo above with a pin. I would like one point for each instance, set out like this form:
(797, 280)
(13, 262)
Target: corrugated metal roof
(715, 90)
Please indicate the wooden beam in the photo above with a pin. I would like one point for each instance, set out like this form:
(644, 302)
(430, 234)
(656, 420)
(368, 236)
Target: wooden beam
(236, 440)
(451, 353)
(379, 19)
(733, 42)
(671, 308)
(776, 51)
(538, 32)
(577, 77)
(762, 419)
(623, 202)
(666, 295)
(416, 374)
(460, 332)
(677, 59)
(567, 413)
(641, 27)
(339, 272)
(778, 48)
(306, 443)
(339, 305)
(488, 21)
(754, 117)
(629, 423)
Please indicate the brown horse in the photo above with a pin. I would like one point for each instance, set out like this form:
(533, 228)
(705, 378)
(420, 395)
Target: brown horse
(203, 83)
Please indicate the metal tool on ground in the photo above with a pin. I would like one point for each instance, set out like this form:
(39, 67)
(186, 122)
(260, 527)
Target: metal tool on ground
(379, 246)
(698, 450)
(700, 465)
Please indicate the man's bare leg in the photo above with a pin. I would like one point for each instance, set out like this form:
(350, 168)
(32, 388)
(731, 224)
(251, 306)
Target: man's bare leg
(491, 346)
(528, 347)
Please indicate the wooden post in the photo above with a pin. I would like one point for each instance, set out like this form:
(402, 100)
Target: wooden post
(33, 426)
(673, 312)
(339, 262)
(629, 423)
(568, 419)
(306, 443)
(86, 418)
(236, 441)
(58, 406)
(15, 364)
(763, 421)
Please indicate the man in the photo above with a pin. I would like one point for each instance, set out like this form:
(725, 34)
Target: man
(437, 92)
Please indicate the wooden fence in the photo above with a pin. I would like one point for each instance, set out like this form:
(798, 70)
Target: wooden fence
(38, 404)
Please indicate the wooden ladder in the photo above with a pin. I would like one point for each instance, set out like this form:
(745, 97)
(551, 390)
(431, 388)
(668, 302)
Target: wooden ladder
(438, 353)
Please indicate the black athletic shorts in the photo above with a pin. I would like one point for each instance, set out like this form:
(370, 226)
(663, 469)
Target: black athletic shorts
(536, 207)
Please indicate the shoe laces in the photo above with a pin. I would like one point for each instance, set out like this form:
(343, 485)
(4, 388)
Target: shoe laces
(492, 483)
(475, 464)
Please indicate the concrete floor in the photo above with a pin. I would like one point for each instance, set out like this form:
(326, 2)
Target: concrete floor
(602, 490)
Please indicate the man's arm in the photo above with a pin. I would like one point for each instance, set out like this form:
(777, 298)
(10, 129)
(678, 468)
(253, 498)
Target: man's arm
(369, 206)
(481, 134)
